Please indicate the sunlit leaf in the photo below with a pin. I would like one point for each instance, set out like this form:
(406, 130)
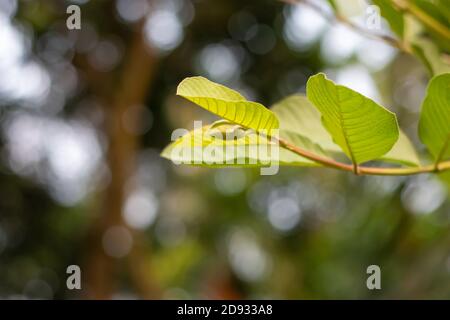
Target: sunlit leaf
(227, 104)
(363, 129)
(297, 114)
(434, 125)
(228, 145)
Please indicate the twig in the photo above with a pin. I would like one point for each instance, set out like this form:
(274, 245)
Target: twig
(331, 163)
(423, 17)
(338, 18)
(328, 162)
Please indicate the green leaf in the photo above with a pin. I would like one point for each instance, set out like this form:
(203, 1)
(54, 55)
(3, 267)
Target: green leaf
(434, 124)
(402, 152)
(392, 15)
(227, 104)
(363, 129)
(297, 114)
(223, 144)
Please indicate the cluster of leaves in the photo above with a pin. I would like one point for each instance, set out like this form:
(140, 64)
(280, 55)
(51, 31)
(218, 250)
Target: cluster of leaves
(332, 120)
(423, 27)
(314, 130)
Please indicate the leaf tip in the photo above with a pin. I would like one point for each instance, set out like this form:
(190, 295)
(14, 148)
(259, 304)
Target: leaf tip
(186, 82)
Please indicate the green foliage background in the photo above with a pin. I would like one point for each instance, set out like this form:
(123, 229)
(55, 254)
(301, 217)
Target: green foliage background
(218, 233)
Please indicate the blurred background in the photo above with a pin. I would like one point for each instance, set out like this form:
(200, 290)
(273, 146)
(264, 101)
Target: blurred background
(85, 113)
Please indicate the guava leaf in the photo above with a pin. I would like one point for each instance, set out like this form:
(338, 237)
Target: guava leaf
(362, 128)
(297, 114)
(227, 104)
(226, 145)
(434, 124)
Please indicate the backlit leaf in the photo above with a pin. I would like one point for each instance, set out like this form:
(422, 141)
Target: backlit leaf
(214, 146)
(362, 128)
(297, 114)
(227, 104)
(434, 125)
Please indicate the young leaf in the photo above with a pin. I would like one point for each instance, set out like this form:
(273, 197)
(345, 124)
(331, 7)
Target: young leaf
(434, 124)
(363, 129)
(210, 146)
(227, 104)
(297, 114)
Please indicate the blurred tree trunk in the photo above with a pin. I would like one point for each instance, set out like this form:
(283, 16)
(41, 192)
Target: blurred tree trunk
(101, 271)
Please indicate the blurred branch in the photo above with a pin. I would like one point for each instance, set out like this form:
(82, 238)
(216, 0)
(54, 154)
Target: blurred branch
(97, 81)
(338, 18)
(131, 92)
(423, 17)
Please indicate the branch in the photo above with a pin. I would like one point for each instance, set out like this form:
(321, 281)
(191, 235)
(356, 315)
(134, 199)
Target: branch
(338, 18)
(331, 163)
(130, 90)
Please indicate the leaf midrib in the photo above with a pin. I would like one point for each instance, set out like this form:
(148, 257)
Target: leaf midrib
(342, 123)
